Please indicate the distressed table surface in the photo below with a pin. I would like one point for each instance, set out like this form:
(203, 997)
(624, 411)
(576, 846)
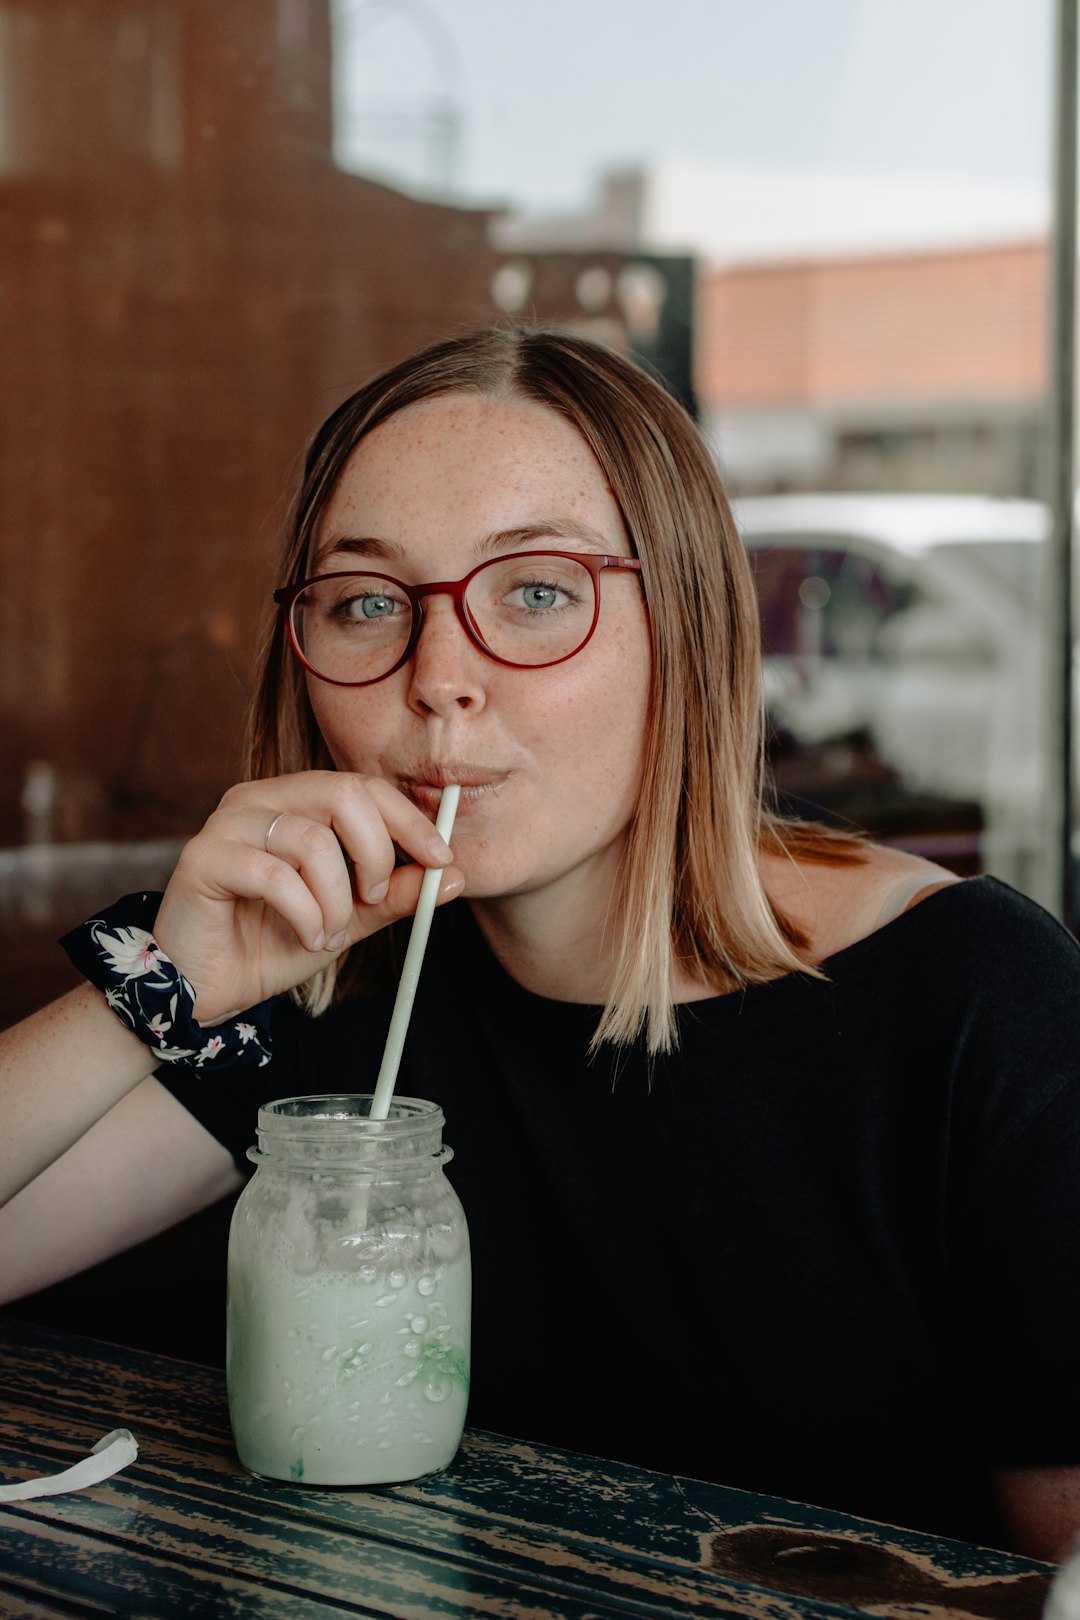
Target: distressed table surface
(509, 1529)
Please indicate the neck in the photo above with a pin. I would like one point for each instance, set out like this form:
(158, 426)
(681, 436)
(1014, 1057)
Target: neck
(552, 943)
(563, 943)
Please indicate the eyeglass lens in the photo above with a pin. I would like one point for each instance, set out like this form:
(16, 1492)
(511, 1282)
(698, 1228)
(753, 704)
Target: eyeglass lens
(526, 610)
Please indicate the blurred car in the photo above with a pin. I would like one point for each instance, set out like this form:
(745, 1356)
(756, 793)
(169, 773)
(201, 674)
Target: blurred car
(902, 666)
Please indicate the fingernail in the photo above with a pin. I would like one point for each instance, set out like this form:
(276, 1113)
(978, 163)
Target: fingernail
(439, 851)
(336, 941)
(377, 893)
(319, 941)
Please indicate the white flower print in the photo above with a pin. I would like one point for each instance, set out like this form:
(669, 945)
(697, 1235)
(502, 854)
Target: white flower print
(132, 952)
(213, 1046)
(246, 1032)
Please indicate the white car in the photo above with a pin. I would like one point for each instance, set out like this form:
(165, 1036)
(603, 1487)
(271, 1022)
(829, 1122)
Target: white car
(906, 630)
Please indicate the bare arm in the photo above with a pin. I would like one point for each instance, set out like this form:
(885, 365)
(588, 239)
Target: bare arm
(146, 1165)
(95, 1155)
(60, 1070)
(1040, 1508)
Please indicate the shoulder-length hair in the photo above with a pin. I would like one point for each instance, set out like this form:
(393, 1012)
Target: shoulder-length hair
(691, 889)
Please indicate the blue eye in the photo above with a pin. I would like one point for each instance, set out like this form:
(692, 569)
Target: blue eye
(371, 607)
(538, 597)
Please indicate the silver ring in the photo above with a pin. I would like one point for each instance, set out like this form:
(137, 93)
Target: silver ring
(270, 830)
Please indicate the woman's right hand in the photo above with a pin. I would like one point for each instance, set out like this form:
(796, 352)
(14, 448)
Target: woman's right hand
(243, 921)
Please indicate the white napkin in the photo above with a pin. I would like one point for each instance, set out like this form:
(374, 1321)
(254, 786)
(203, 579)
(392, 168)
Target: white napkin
(112, 1452)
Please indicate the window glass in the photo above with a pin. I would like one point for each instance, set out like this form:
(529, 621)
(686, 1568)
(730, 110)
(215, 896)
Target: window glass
(825, 603)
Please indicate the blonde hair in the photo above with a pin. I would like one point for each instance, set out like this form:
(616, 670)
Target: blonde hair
(691, 892)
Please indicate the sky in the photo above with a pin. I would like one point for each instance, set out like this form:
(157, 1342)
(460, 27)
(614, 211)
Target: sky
(547, 96)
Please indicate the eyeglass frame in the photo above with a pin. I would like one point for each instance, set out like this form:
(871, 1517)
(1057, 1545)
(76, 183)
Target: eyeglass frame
(594, 563)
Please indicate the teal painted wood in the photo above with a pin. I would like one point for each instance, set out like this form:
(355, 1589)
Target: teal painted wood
(509, 1529)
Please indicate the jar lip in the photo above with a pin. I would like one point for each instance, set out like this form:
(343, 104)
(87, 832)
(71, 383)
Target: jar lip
(329, 1115)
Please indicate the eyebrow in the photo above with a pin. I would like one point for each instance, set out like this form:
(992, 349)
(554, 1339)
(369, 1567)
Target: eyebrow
(521, 536)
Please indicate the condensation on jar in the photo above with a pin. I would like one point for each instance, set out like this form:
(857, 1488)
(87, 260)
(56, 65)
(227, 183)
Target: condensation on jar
(349, 1296)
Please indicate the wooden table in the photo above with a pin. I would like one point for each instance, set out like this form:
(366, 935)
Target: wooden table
(509, 1529)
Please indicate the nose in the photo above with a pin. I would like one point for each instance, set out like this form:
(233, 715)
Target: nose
(447, 672)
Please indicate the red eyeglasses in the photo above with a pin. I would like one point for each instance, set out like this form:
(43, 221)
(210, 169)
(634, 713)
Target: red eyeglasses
(527, 610)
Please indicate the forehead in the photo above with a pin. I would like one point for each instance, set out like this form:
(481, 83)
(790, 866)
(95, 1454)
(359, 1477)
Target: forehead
(459, 464)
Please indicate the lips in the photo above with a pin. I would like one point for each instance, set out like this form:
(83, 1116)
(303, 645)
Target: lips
(424, 785)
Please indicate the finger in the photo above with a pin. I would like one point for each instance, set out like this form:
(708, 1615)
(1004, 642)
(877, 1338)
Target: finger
(401, 901)
(255, 875)
(313, 850)
(373, 820)
(405, 823)
(405, 885)
(360, 825)
(216, 870)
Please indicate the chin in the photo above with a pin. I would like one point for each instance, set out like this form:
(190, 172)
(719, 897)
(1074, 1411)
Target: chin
(495, 880)
(485, 885)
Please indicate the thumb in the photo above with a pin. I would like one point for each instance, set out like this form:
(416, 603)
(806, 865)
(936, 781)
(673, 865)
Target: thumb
(401, 900)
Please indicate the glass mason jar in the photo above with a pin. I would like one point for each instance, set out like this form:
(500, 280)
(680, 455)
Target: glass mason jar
(349, 1296)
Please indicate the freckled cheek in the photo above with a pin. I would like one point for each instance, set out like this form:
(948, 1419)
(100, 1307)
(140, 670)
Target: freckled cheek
(352, 725)
(592, 733)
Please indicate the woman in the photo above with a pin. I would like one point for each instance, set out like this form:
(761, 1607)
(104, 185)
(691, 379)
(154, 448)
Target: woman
(767, 1137)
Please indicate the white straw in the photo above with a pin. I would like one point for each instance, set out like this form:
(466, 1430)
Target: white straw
(414, 956)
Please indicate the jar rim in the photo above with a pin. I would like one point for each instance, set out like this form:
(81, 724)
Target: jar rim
(318, 1114)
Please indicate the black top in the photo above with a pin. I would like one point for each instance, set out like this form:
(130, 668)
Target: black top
(832, 1252)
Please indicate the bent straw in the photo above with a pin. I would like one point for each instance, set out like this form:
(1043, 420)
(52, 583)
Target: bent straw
(414, 956)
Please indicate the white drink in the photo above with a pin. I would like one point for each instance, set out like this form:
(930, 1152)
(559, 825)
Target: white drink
(348, 1379)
